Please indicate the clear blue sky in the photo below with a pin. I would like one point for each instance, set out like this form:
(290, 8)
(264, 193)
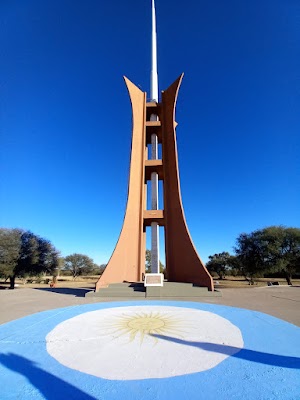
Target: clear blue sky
(66, 116)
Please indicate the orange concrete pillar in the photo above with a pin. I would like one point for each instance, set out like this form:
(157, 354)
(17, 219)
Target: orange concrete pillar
(127, 262)
(182, 261)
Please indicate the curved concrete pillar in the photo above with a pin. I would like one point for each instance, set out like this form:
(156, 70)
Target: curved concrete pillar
(127, 262)
(183, 264)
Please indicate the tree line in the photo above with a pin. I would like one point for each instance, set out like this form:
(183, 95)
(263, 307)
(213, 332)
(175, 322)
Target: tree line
(25, 254)
(274, 249)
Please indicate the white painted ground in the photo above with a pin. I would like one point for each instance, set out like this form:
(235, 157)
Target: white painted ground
(143, 342)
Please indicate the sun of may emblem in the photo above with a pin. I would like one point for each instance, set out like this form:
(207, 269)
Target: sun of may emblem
(142, 341)
(139, 325)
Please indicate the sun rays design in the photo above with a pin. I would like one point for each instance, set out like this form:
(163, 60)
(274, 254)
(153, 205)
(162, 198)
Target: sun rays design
(139, 341)
(145, 324)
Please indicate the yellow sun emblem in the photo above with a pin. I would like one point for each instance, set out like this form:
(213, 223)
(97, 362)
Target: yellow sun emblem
(146, 324)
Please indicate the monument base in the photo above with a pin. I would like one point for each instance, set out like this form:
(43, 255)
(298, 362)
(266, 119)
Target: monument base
(137, 290)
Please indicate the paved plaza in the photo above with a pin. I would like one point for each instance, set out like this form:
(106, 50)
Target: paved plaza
(57, 344)
(280, 301)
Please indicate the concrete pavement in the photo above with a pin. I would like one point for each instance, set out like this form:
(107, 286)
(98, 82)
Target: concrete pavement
(279, 301)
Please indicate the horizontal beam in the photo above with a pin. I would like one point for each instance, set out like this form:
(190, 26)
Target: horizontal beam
(153, 166)
(153, 216)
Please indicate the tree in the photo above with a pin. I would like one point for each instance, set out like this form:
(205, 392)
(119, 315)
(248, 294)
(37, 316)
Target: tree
(60, 265)
(148, 263)
(219, 263)
(251, 255)
(24, 253)
(97, 269)
(272, 249)
(78, 264)
(283, 246)
(10, 251)
(102, 268)
(48, 257)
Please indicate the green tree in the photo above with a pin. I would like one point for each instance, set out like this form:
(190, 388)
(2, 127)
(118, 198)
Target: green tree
(97, 269)
(24, 253)
(219, 263)
(272, 249)
(148, 263)
(10, 251)
(102, 268)
(283, 248)
(60, 265)
(78, 264)
(48, 257)
(251, 255)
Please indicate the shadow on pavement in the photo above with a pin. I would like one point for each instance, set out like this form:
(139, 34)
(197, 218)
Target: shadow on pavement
(50, 386)
(244, 354)
(77, 292)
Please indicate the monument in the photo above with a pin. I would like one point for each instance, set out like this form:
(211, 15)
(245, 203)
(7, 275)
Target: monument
(154, 124)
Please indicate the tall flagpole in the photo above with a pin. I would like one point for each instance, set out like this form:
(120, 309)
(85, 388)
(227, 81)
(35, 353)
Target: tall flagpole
(154, 149)
(154, 75)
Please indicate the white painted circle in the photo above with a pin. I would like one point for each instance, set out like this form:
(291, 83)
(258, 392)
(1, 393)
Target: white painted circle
(141, 342)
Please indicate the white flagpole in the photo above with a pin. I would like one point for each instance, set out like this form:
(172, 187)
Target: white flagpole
(154, 75)
(154, 149)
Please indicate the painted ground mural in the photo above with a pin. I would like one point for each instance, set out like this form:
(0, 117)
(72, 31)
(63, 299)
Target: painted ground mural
(143, 342)
(149, 350)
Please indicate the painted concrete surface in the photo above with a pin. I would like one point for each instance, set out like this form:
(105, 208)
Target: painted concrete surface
(260, 357)
(140, 342)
